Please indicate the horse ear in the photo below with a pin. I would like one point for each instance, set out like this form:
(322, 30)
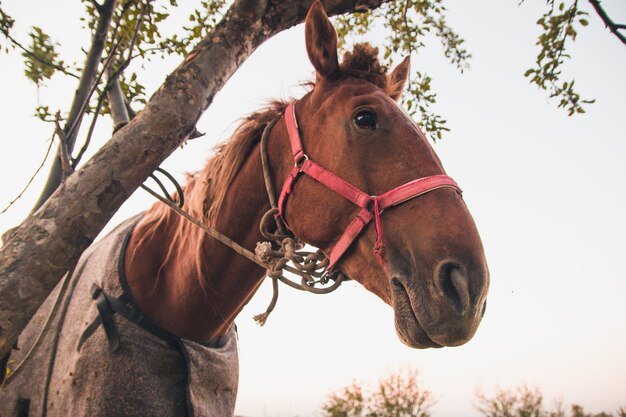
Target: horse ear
(321, 41)
(397, 79)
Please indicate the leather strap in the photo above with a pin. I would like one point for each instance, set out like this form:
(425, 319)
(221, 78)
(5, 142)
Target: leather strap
(349, 235)
(414, 189)
(371, 206)
(294, 134)
(286, 190)
(335, 183)
(105, 313)
(108, 306)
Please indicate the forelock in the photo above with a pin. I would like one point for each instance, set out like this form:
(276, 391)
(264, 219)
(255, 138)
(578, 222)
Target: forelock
(362, 62)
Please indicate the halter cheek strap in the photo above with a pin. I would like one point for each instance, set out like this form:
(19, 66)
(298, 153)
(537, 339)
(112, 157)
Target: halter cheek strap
(371, 206)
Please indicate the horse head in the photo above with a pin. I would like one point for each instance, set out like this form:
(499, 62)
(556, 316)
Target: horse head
(433, 270)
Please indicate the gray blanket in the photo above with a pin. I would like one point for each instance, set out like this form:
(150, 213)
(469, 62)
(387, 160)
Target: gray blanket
(145, 376)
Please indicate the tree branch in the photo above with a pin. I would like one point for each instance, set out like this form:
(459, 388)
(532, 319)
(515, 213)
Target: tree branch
(72, 131)
(64, 154)
(40, 250)
(32, 178)
(92, 126)
(113, 82)
(87, 79)
(117, 104)
(608, 22)
(99, 7)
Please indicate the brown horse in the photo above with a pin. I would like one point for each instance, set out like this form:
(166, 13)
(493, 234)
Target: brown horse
(437, 277)
(190, 287)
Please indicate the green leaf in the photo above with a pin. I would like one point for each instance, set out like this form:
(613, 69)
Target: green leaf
(41, 59)
(557, 28)
(6, 23)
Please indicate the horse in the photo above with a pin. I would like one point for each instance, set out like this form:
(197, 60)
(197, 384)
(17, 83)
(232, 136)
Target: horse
(146, 323)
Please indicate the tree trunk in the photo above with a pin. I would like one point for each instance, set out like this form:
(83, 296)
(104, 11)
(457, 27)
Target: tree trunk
(38, 253)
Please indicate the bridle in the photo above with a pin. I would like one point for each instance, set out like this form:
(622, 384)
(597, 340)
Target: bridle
(314, 265)
(283, 251)
(371, 206)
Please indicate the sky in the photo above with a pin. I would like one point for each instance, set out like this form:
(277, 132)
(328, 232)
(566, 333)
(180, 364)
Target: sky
(546, 191)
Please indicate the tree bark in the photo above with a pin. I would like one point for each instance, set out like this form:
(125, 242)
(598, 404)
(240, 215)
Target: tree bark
(38, 253)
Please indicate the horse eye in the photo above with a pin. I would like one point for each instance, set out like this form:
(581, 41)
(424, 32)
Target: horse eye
(365, 119)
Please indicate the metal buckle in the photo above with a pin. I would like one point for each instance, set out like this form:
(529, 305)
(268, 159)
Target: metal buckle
(301, 160)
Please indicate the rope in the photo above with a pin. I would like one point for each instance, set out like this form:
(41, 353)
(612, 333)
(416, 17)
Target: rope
(262, 318)
(311, 265)
(179, 190)
(209, 230)
(273, 255)
(279, 253)
(273, 261)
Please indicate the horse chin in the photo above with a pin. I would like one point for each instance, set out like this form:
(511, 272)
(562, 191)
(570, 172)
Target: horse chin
(408, 326)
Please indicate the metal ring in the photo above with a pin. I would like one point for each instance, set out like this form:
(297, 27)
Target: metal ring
(300, 161)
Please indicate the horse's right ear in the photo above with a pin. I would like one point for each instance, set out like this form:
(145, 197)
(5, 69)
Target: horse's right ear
(321, 41)
(397, 79)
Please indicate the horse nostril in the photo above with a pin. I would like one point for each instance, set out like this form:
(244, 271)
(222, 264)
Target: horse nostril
(395, 283)
(454, 285)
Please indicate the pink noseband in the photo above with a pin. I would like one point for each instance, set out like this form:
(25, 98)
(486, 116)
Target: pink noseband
(371, 206)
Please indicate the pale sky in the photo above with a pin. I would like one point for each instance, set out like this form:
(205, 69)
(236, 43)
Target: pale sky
(546, 191)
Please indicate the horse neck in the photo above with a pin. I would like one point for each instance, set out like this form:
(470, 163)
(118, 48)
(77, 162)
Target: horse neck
(200, 303)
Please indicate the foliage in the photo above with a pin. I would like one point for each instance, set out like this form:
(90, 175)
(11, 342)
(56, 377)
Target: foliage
(6, 24)
(42, 53)
(398, 28)
(408, 26)
(522, 402)
(528, 402)
(40, 58)
(398, 395)
(135, 35)
(348, 403)
(558, 26)
(201, 22)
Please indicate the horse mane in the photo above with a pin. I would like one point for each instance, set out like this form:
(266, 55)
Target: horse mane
(362, 62)
(205, 189)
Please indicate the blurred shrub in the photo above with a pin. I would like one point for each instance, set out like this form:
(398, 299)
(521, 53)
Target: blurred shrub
(400, 394)
(528, 402)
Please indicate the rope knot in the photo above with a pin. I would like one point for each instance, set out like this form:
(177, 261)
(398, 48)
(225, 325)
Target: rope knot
(263, 251)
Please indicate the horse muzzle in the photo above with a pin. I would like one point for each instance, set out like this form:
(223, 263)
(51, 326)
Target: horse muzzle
(444, 310)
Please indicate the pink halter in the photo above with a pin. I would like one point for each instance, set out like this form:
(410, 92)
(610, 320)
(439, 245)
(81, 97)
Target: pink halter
(371, 206)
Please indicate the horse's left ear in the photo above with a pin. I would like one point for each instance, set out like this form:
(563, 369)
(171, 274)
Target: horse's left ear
(321, 41)
(397, 79)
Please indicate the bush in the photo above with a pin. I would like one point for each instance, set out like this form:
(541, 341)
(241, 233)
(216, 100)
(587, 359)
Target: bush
(528, 402)
(398, 395)
(401, 394)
